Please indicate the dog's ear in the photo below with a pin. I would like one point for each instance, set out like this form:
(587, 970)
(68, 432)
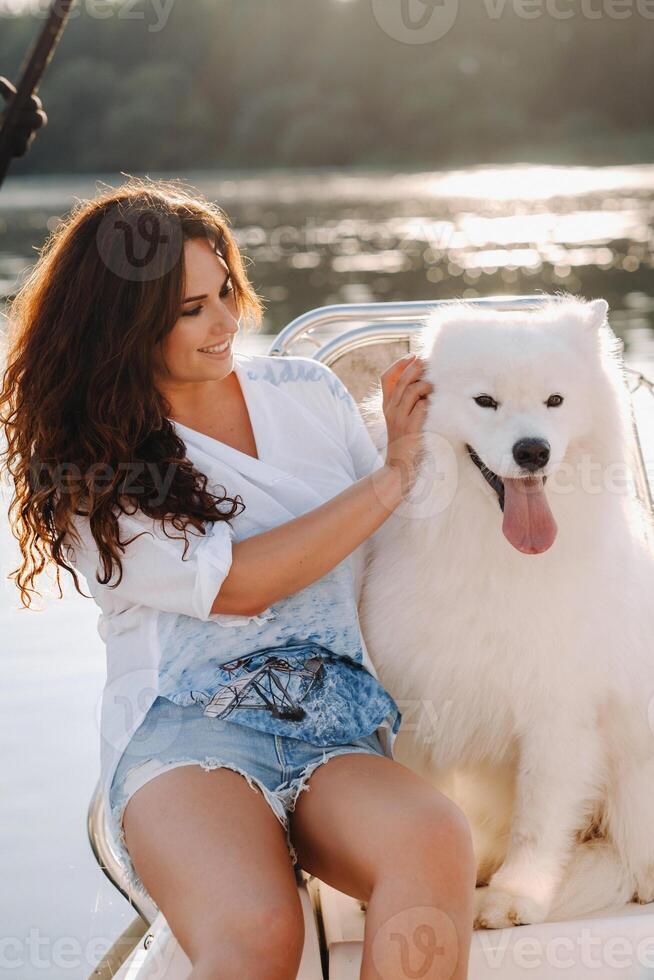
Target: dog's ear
(596, 312)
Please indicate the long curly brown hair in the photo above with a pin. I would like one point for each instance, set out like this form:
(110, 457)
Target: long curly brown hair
(86, 429)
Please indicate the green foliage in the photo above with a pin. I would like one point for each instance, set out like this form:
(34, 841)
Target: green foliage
(252, 83)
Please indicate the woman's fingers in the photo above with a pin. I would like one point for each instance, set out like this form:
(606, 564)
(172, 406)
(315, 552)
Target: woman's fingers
(416, 392)
(414, 405)
(408, 386)
(411, 373)
(405, 407)
(393, 372)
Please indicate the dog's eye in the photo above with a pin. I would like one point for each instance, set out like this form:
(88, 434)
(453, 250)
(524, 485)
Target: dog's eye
(554, 401)
(485, 401)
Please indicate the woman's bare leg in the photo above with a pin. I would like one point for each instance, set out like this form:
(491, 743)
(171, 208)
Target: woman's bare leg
(375, 830)
(214, 858)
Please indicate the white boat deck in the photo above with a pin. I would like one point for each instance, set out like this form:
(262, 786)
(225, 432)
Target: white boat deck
(609, 944)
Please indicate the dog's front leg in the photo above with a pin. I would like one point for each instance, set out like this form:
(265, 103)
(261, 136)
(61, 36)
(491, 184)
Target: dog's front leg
(557, 775)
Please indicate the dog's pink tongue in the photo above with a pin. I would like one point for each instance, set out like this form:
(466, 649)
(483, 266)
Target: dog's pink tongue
(528, 522)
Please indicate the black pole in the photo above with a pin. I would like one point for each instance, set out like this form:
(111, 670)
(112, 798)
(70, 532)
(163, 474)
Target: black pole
(32, 72)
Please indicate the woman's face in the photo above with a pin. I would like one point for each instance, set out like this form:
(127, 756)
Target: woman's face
(208, 319)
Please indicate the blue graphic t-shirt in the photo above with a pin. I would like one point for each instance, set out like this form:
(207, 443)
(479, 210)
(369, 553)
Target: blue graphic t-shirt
(294, 670)
(302, 690)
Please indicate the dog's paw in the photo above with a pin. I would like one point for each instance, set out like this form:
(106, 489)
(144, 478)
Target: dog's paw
(497, 909)
(644, 893)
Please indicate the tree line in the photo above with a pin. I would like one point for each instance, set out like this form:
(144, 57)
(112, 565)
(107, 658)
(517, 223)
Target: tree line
(184, 84)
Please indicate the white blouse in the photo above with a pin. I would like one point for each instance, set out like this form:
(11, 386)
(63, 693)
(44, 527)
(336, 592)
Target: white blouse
(312, 444)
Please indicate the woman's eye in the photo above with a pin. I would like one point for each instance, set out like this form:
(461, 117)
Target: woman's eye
(224, 292)
(485, 401)
(554, 401)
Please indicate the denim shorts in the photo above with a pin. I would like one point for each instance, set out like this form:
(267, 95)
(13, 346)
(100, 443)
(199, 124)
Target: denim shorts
(173, 735)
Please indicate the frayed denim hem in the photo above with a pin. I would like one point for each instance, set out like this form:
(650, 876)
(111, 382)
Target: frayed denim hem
(117, 813)
(301, 783)
(281, 801)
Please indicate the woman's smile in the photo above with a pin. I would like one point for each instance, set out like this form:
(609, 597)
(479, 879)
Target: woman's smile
(217, 350)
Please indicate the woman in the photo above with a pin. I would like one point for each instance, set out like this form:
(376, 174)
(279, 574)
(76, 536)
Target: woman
(216, 504)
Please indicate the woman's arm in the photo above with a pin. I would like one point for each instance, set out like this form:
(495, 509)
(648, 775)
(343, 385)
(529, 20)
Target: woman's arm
(267, 567)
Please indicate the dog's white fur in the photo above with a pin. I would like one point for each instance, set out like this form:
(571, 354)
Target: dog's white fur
(526, 682)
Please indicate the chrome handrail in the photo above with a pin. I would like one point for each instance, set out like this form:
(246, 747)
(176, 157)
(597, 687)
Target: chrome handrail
(108, 861)
(365, 336)
(416, 311)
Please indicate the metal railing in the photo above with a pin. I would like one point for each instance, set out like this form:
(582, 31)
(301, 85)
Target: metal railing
(392, 317)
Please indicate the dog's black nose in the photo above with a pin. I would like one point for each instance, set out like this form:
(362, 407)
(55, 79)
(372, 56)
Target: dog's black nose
(531, 454)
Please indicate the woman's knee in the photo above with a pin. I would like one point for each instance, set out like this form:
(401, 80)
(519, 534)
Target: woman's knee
(260, 942)
(437, 835)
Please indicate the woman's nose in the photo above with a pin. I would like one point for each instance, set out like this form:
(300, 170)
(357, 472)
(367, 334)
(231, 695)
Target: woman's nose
(228, 323)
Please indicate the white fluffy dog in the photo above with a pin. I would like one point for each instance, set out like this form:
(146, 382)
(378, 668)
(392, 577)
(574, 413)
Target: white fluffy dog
(508, 606)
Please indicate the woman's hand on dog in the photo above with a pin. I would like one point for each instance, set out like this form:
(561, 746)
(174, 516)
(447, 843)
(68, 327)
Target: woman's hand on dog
(405, 407)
